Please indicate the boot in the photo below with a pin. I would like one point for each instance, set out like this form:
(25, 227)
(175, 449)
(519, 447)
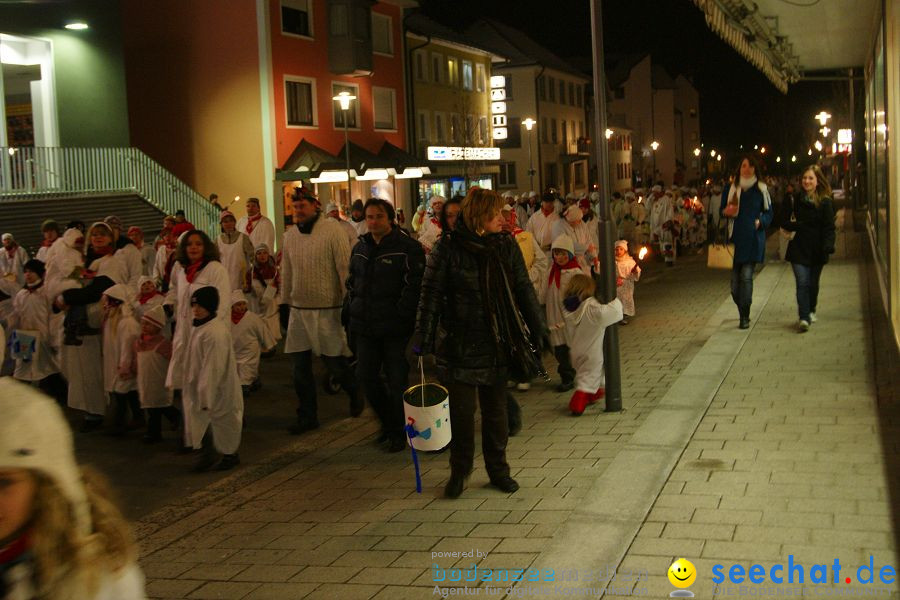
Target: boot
(600, 393)
(579, 401)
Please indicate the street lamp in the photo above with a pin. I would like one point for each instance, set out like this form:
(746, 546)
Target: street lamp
(712, 153)
(344, 99)
(697, 152)
(762, 150)
(529, 125)
(609, 133)
(822, 117)
(818, 146)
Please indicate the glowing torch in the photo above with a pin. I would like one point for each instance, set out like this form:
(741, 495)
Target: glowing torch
(643, 252)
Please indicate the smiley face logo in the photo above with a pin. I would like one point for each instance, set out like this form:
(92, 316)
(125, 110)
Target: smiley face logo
(682, 573)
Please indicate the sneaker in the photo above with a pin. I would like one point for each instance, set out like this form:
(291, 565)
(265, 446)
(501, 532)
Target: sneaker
(804, 326)
(505, 484)
(523, 387)
(812, 317)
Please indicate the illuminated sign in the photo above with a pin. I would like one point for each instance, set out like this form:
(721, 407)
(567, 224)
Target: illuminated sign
(498, 107)
(845, 136)
(461, 153)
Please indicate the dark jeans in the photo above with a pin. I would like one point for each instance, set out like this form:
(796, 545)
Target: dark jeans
(305, 383)
(154, 419)
(129, 401)
(807, 278)
(566, 370)
(388, 354)
(494, 428)
(742, 287)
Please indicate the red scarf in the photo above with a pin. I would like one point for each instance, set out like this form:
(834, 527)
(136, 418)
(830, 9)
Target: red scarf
(191, 271)
(16, 548)
(47, 243)
(144, 298)
(236, 316)
(251, 222)
(556, 271)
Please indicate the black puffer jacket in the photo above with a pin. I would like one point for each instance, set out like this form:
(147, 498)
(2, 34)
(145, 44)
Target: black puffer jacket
(384, 284)
(451, 293)
(814, 227)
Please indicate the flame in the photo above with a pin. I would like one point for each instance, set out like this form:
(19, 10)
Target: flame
(236, 198)
(642, 253)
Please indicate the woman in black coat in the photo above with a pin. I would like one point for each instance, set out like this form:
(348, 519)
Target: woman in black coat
(809, 215)
(476, 284)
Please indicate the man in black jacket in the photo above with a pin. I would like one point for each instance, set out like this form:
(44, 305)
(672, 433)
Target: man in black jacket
(386, 268)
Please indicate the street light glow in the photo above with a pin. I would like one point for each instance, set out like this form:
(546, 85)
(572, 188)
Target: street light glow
(822, 117)
(529, 123)
(712, 153)
(76, 26)
(344, 99)
(609, 133)
(818, 146)
(719, 158)
(655, 145)
(777, 159)
(794, 158)
(809, 152)
(762, 150)
(696, 151)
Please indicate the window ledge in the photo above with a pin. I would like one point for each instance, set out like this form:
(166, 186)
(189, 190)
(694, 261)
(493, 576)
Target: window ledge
(297, 36)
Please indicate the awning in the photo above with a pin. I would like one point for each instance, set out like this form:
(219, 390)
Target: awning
(785, 39)
(404, 164)
(308, 161)
(366, 165)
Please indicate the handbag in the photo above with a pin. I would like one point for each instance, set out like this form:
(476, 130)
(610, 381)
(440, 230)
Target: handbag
(785, 234)
(720, 254)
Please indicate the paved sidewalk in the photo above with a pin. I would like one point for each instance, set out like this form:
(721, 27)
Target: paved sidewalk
(735, 447)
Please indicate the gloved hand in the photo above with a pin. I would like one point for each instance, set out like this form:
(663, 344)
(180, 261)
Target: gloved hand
(284, 315)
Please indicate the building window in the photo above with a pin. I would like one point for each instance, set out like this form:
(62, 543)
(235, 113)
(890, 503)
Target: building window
(424, 132)
(296, 17)
(353, 113)
(437, 68)
(562, 92)
(455, 129)
(382, 35)
(552, 174)
(507, 177)
(542, 88)
(299, 101)
(508, 87)
(439, 128)
(578, 95)
(545, 131)
(572, 131)
(581, 129)
(551, 86)
(384, 107)
(421, 68)
(452, 71)
(483, 135)
(572, 94)
(515, 133)
(553, 132)
(471, 133)
(565, 135)
(480, 78)
(467, 76)
(579, 173)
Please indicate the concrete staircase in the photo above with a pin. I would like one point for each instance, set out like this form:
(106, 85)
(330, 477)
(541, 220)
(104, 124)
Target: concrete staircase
(23, 217)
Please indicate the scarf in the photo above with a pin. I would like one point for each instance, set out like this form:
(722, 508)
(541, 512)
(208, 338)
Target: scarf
(512, 336)
(251, 223)
(191, 271)
(237, 316)
(556, 271)
(307, 227)
(204, 321)
(144, 298)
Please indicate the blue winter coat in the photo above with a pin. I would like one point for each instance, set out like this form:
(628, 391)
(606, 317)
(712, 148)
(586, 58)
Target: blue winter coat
(749, 241)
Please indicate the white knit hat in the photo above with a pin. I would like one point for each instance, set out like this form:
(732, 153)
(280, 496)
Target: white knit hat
(573, 213)
(330, 207)
(434, 199)
(34, 435)
(156, 316)
(237, 296)
(119, 292)
(564, 242)
(623, 243)
(144, 279)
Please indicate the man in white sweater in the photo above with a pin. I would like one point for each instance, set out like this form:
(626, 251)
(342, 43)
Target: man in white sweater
(315, 263)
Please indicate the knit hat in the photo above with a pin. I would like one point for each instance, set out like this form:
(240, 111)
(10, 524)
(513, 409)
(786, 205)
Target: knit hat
(103, 225)
(531, 194)
(7, 236)
(564, 242)
(262, 246)
(623, 243)
(114, 222)
(656, 188)
(35, 266)
(35, 435)
(50, 224)
(155, 316)
(71, 237)
(573, 213)
(224, 214)
(548, 197)
(179, 213)
(330, 207)
(118, 292)
(207, 297)
(144, 279)
(436, 198)
(237, 296)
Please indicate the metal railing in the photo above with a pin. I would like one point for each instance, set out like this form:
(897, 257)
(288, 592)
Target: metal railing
(41, 172)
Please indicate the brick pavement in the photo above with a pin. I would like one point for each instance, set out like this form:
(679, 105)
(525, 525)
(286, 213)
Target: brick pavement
(336, 517)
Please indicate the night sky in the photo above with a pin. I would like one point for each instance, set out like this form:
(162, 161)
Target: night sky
(738, 104)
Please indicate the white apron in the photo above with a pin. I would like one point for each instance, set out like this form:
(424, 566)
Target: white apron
(319, 330)
(232, 258)
(118, 348)
(263, 300)
(585, 329)
(625, 292)
(32, 316)
(251, 337)
(151, 378)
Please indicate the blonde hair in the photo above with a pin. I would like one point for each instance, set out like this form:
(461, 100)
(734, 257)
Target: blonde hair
(479, 206)
(823, 188)
(582, 286)
(68, 563)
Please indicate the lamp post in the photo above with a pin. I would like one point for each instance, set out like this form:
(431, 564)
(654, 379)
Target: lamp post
(344, 99)
(529, 125)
